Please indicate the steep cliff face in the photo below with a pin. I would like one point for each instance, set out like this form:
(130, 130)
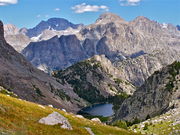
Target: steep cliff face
(19, 76)
(55, 53)
(139, 68)
(95, 79)
(15, 37)
(157, 95)
(126, 38)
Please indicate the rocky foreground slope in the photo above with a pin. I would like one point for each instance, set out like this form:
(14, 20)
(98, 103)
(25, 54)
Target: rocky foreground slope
(159, 94)
(19, 76)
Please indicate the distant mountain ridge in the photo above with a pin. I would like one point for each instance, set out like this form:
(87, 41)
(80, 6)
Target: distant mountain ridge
(54, 53)
(115, 38)
(56, 24)
(20, 38)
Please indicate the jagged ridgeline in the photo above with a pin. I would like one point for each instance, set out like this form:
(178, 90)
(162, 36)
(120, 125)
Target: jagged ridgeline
(138, 47)
(159, 94)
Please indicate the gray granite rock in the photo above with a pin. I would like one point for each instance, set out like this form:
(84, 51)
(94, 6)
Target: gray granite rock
(56, 118)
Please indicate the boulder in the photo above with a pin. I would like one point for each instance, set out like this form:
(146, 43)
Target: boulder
(54, 119)
(89, 131)
(96, 120)
(79, 116)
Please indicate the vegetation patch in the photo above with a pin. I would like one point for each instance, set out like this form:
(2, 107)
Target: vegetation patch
(174, 70)
(6, 92)
(120, 124)
(160, 128)
(117, 100)
(76, 75)
(38, 91)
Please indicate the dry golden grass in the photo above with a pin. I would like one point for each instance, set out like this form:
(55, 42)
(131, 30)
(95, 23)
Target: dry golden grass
(19, 117)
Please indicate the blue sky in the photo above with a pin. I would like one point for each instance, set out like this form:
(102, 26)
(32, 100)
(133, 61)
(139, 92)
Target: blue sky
(28, 13)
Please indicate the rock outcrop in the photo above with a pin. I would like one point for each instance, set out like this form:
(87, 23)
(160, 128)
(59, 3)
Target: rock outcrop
(170, 121)
(138, 69)
(56, 118)
(17, 39)
(89, 131)
(157, 95)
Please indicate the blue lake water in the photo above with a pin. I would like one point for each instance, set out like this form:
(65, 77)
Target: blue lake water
(100, 110)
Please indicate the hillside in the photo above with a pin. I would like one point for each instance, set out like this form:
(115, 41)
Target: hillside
(95, 80)
(19, 76)
(18, 117)
(156, 96)
(138, 69)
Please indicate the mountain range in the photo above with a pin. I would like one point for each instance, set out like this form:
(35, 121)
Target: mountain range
(122, 42)
(133, 65)
(20, 38)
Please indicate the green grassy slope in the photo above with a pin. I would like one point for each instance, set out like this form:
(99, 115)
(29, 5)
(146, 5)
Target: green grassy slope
(18, 117)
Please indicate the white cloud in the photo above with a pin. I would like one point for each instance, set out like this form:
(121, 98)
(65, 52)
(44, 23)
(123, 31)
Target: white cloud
(129, 2)
(81, 8)
(6, 2)
(57, 9)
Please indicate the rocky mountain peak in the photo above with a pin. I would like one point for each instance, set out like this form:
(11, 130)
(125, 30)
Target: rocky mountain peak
(10, 29)
(141, 19)
(55, 24)
(109, 17)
